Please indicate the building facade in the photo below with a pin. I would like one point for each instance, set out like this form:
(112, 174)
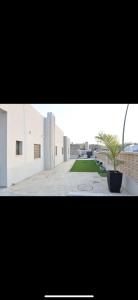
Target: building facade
(29, 143)
(74, 150)
(78, 149)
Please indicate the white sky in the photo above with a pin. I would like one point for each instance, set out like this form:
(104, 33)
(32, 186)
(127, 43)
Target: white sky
(82, 122)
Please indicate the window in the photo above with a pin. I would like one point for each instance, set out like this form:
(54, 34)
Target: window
(56, 150)
(37, 151)
(19, 148)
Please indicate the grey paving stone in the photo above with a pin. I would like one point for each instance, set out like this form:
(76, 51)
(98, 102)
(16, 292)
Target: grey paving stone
(61, 182)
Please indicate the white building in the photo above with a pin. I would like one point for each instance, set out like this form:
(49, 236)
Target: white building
(29, 143)
(86, 146)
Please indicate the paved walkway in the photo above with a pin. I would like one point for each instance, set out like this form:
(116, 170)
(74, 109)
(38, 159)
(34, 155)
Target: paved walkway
(61, 182)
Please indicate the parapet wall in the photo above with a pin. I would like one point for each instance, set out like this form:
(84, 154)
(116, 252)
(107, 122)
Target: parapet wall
(130, 165)
(129, 168)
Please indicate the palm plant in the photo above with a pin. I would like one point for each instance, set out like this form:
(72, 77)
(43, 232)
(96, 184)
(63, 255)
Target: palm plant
(113, 146)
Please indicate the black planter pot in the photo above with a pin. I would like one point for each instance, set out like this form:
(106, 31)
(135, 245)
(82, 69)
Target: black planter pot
(114, 179)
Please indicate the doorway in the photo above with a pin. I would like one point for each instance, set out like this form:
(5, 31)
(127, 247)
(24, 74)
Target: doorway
(3, 148)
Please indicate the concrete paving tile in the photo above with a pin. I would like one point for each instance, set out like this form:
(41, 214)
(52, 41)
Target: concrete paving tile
(59, 182)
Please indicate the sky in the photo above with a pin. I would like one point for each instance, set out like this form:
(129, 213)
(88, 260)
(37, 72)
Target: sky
(82, 122)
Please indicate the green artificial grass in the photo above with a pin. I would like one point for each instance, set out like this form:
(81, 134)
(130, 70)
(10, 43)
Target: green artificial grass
(87, 166)
(103, 173)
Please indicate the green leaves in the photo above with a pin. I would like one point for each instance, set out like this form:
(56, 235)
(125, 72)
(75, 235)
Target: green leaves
(111, 142)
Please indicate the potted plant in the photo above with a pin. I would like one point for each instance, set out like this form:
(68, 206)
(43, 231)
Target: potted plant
(114, 177)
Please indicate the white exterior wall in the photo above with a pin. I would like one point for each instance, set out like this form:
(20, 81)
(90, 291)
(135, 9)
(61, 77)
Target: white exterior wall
(27, 125)
(59, 158)
(53, 137)
(24, 124)
(49, 141)
(3, 148)
(66, 148)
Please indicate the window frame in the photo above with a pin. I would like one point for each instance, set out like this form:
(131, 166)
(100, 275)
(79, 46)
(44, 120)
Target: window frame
(19, 144)
(37, 151)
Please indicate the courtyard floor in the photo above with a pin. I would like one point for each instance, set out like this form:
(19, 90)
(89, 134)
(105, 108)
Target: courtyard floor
(61, 182)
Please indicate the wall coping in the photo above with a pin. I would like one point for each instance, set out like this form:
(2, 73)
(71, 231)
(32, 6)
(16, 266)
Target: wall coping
(122, 153)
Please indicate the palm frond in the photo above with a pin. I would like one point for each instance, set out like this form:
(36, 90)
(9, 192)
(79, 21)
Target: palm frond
(112, 144)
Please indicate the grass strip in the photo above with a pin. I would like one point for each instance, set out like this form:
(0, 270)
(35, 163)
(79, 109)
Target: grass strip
(87, 166)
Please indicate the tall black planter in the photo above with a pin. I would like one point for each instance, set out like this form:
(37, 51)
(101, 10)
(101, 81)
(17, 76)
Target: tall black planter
(114, 179)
